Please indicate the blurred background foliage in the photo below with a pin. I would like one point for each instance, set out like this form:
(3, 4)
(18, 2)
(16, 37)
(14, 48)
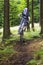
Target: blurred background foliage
(16, 7)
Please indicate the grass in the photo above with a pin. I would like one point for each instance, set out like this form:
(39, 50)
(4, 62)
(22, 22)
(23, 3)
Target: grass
(0, 33)
(38, 58)
(6, 52)
(32, 62)
(27, 35)
(31, 34)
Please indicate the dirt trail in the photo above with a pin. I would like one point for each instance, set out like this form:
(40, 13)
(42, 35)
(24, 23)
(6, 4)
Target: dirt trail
(24, 52)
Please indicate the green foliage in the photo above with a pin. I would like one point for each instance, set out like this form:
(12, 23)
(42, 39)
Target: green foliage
(1, 12)
(32, 62)
(31, 34)
(39, 52)
(38, 58)
(27, 35)
(36, 10)
(0, 33)
(16, 7)
(7, 50)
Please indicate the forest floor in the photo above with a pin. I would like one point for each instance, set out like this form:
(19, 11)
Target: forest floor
(30, 52)
(24, 53)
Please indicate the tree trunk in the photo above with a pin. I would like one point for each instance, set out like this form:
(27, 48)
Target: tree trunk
(6, 29)
(41, 15)
(32, 15)
(28, 27)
